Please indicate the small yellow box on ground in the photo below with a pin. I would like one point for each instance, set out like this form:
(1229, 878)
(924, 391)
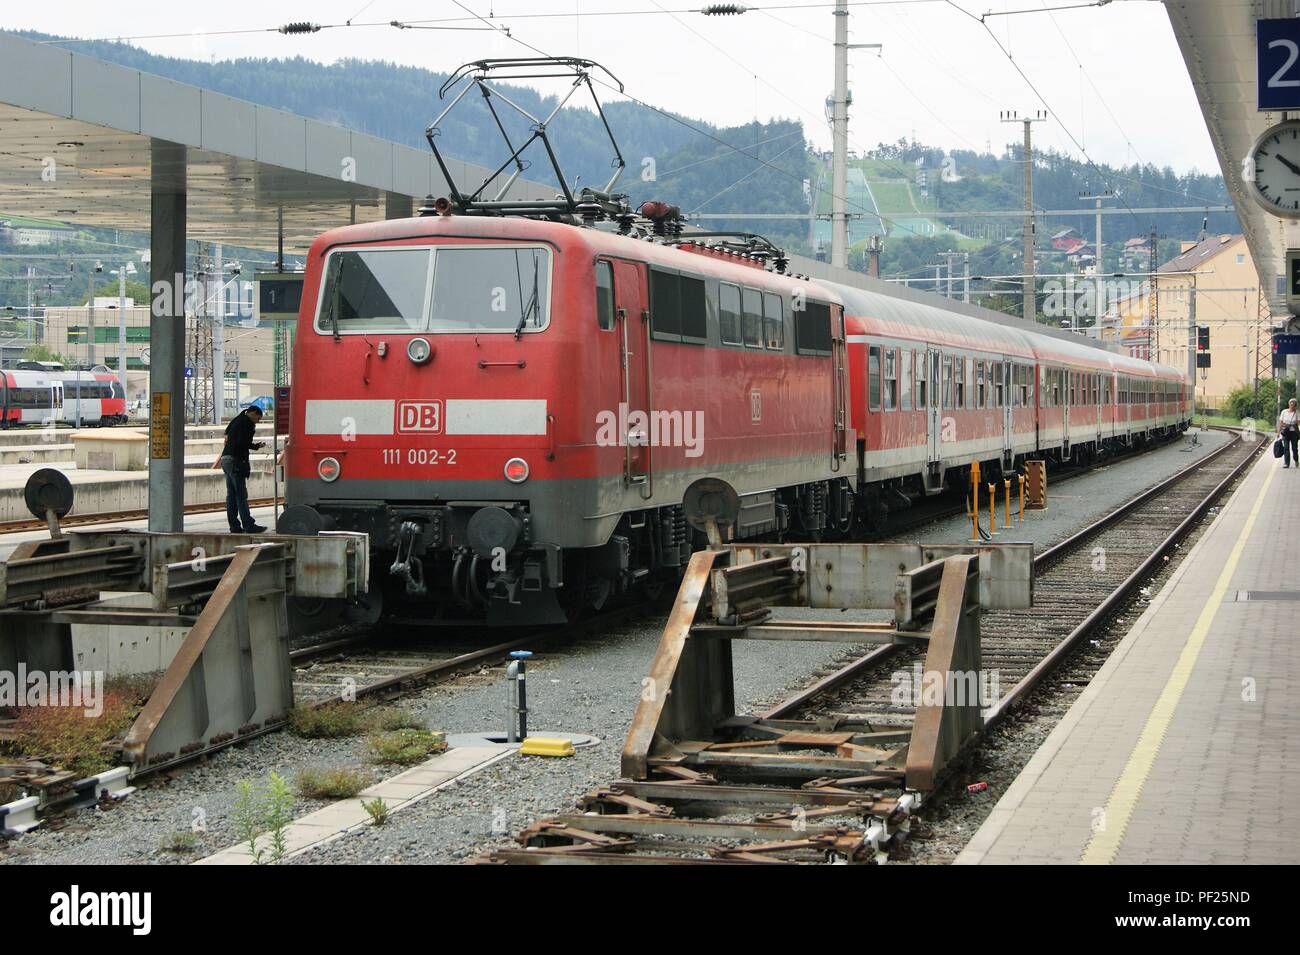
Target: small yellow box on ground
(546, 746)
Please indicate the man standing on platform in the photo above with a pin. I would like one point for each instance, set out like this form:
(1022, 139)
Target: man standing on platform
(234, 462)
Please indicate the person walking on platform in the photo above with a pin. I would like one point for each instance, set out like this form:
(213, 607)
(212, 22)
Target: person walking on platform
(234, 462)
(1288, 429)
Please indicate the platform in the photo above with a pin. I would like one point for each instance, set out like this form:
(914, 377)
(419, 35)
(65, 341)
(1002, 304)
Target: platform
(1184, 748)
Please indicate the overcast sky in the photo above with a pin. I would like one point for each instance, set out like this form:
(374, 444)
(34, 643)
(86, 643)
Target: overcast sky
(1112, 76)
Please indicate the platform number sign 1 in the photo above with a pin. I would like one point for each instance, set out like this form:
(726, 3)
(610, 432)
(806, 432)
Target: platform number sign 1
(1277, 56)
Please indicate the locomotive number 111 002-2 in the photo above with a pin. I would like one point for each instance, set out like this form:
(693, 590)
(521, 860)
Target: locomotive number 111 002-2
(418, 456)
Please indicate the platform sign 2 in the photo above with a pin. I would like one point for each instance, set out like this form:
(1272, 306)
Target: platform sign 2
(1277, 58)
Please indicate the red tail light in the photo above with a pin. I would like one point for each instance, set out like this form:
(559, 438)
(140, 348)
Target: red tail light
(329, 469)
(516, 470)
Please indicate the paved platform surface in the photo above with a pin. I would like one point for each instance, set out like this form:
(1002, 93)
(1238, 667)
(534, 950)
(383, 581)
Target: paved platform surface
(1185, 748)
(348, 815)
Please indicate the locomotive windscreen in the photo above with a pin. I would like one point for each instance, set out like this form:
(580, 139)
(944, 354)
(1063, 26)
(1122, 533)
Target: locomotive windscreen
(480, 289)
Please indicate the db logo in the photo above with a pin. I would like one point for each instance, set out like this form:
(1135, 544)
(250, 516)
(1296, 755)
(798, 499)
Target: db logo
(419, 416)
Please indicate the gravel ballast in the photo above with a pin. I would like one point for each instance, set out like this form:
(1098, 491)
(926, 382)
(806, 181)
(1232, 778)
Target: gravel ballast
(589, 686)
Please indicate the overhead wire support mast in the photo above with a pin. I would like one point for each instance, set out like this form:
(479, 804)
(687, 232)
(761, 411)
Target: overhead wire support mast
(840, 137)
(1030, 297)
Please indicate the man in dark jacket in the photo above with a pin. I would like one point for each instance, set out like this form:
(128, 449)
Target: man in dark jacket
(234, 462)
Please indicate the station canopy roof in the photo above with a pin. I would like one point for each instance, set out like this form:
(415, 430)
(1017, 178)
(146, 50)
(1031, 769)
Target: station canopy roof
(77, 137)
(1218, 44)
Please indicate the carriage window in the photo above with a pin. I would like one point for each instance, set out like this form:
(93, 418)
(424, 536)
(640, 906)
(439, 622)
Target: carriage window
(605, 295)
(920, 379)
(891, 379)
(774, 321)
(979, 384)
(873, 378)
(947, 381)
(905, 380)
(959, 383)
(812, 329)
(729, 313)
(997, 384)
(752, 317)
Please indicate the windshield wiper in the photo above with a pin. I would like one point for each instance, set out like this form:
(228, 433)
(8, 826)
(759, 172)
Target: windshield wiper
(531, 307)
(335, 295)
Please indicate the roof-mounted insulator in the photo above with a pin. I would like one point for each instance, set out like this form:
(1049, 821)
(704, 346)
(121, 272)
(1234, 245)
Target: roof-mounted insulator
(301, 27)
(724, 9)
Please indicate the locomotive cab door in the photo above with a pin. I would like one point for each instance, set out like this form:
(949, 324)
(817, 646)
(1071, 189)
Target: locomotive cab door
(632, 314)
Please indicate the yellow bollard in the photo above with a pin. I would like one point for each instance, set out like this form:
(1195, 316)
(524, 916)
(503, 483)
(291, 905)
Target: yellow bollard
(1006, 506)
(975, 510)
(1022, 497)
(993, 508)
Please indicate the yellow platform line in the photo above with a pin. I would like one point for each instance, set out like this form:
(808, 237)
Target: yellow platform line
(1118, 812)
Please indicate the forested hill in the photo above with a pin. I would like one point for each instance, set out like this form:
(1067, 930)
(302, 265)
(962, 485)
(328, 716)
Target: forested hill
(897, 189)
(398, 102)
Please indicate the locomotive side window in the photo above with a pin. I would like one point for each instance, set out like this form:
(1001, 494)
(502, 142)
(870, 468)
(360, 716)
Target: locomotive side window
(695, 313)
(729, 313)
(605, 295)
(752, 317)
(812, 329)
(665, 305)
(774, 321)
(873, 378)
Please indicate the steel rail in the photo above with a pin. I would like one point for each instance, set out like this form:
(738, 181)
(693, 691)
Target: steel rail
(856, 668)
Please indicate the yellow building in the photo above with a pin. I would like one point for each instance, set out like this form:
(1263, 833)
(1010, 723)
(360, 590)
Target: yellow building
(1219, 274)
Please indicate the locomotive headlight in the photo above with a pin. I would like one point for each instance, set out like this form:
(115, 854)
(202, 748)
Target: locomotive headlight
(329, 469)
(516, 470)
(419, 350)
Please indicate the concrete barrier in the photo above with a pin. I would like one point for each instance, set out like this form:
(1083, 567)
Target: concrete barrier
(36, 454)
(111, 450)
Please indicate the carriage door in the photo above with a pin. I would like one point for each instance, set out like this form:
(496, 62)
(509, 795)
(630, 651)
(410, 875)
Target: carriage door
(1067, 399)
(1009, 394)
(632, 318)
(935, 415)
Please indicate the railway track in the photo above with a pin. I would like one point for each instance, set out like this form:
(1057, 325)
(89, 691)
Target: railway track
(1080, 584)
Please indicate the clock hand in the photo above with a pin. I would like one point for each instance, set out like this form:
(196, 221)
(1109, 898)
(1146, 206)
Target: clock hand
(1289, 165)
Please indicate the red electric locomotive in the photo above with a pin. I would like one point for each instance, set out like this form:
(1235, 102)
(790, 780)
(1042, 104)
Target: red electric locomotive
(514, 408)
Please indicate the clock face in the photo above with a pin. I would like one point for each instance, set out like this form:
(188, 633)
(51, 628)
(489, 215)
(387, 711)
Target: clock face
(1276, 158)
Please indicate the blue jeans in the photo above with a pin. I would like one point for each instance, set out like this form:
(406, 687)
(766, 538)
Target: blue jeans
(237, 513)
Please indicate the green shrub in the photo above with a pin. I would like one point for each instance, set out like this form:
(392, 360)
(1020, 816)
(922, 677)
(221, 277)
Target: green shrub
(406, 746)
(377, 810)
(388, 719)
(317, 783)
(331, 721)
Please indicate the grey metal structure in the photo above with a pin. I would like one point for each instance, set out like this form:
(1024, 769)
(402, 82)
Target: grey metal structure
(230, 675)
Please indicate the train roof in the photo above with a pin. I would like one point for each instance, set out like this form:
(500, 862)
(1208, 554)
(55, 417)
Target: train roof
(894, 316)
(724, 266)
